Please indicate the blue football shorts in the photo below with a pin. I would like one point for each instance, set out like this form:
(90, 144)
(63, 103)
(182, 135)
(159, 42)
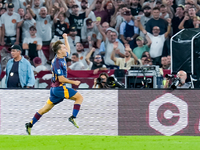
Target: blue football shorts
(58, 94)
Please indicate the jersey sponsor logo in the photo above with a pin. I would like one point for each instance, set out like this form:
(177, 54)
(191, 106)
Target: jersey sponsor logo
(168, 114)
(81, 58)
(24, 3)
(34, 42)
(14, 21)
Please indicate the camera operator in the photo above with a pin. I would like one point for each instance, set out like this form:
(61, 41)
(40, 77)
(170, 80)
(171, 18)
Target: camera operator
(179, 80)
(100, 82)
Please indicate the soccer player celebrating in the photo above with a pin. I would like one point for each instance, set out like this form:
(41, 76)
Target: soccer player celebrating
(59, 91)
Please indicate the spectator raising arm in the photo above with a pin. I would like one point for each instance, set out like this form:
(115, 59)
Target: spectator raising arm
(141, 27)
(90, 8)
(115, 45)
(181, 25)
(101, 31)
(127, 47)
(57, 14)
(66, 43)
(49, 5)
(169, 11)
(168, 28)
(194, 3)
(53, 12)
(3, 34)
(87, 58)
(148, 41)
(63, 4)
(28, 7)
(17, 35)
(114, 16)
(141, 2)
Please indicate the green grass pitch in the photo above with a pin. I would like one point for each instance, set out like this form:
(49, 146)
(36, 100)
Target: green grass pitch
(80, 142)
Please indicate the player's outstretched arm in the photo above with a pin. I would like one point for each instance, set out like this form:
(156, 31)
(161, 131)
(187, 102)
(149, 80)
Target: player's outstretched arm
(66, 43)
(62, 79)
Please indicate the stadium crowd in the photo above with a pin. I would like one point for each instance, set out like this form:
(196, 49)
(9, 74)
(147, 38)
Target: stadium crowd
(103, 34)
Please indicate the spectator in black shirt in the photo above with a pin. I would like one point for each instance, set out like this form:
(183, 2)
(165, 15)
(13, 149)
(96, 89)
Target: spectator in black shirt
(60, 26)
(190, 20)
(97, 64)
(135, 7)
(156, 21)
(77, 19)
(177, 20)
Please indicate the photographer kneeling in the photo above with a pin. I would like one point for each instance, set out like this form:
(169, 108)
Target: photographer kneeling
(178, 82)
(101, 81)
(104, 82)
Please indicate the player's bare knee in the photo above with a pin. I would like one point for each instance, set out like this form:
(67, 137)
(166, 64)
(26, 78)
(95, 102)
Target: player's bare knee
(79, 98)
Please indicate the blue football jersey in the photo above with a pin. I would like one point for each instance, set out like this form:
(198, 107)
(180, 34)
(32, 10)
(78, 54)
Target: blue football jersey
(58, 68)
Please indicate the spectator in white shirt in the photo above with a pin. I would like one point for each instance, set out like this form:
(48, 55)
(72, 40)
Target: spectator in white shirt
(84, 7)
(105, 26)
(33, 39)
(81, 53)
(73, 38)
(21, 13)
(36, 7)
(10, 30)
(2, 11)
(44, 24)
(109, 40)
(157, 41)
(89, 30)
(145, 18)
(25, 24)
(39, 3)
(76, 63)
(16, 3)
